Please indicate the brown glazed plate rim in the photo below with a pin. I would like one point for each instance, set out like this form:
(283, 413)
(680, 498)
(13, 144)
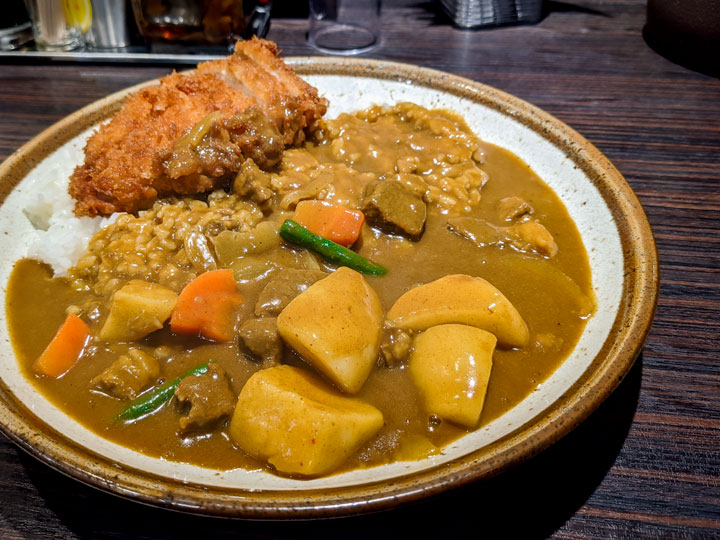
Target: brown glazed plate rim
(610, 365)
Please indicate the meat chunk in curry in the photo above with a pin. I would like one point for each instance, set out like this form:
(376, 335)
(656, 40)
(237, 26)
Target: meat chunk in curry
(208, 399)
(262, 339)
(395, 346)
(251, 182)
(513, 208)
(129, 375)
(283, 289)
(395, 209)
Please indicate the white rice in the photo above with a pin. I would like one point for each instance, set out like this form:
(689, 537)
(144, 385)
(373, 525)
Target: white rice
(60, 237)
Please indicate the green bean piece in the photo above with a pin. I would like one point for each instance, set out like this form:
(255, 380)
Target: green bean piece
(291, 231)
(157, 397)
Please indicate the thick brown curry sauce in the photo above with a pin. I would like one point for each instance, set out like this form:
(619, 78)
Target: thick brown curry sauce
(553, 295)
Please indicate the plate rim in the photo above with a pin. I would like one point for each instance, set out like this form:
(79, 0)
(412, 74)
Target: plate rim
(614, 360)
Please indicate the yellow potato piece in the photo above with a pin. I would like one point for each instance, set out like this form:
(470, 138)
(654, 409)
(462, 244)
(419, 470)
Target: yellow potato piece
(137, 309)
(299, 424)
(461, 299)
(450, 364)
(335, 325)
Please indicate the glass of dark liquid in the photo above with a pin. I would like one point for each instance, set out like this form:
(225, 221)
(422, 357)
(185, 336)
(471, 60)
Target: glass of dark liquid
(207, 22)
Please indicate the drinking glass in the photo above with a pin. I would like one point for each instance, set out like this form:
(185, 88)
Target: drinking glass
(52, 28)
(199, 21)
(344, 26)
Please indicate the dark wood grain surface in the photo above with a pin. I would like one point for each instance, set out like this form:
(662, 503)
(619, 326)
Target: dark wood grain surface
(646, 464)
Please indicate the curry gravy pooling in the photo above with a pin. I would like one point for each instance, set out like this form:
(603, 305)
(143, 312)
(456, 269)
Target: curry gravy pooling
(553, 294)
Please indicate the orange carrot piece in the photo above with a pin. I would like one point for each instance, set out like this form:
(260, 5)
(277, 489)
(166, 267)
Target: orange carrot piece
(331, 221)
(206, 306)
(64, 349)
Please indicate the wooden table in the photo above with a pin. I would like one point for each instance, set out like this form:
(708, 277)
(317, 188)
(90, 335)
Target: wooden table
(646, 464)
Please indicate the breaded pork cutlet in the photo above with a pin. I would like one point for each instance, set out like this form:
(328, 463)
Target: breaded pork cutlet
(191, 132)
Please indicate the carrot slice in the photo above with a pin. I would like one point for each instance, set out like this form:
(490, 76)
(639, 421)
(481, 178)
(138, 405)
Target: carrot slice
(331, 221)
(64, 349)
(206, 306)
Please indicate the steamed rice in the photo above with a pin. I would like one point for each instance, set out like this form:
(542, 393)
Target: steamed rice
(60, 236)
(166, 244)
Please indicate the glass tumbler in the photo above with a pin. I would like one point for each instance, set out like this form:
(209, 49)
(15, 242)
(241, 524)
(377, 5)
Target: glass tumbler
(212, 22)
(54, 25)
(344, 26)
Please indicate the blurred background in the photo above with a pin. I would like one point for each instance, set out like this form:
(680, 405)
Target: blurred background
(687, 32)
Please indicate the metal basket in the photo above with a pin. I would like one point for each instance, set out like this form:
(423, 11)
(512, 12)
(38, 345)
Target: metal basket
(475, 13)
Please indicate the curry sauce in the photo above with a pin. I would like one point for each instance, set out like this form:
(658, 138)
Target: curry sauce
(552, 293)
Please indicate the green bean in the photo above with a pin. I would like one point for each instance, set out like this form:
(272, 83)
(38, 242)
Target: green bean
(157, 397)
(293, 232)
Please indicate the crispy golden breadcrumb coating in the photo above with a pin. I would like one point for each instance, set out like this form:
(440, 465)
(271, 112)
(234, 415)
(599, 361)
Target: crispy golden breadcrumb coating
(253, 104)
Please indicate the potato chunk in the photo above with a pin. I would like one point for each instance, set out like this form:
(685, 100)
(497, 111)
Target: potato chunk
(298, 424)
(336, 326)
(451, 366)
(460, 299)
(138, 308)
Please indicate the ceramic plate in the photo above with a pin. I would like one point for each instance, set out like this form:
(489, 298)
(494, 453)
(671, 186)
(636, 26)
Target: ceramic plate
(624, 275)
